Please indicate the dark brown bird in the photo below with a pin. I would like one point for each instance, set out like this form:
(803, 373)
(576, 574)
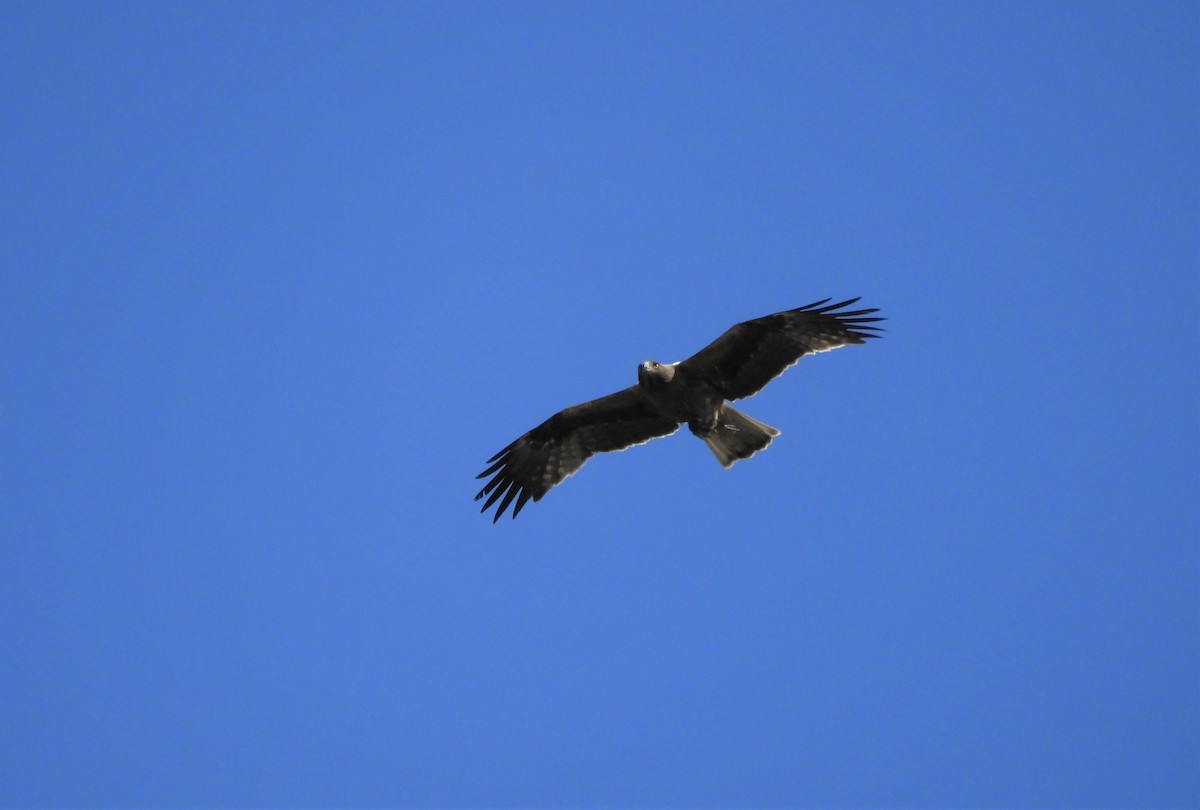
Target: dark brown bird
(693, 391)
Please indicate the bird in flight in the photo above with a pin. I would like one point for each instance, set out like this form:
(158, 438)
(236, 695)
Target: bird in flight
(694, 392)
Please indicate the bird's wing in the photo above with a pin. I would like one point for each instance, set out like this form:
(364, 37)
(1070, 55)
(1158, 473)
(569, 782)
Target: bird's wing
(751, 354)
(544, 456)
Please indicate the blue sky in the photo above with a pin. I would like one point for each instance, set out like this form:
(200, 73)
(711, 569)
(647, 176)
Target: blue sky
(279, 277)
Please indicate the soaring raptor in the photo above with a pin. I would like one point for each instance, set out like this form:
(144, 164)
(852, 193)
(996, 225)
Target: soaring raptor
(694, 391)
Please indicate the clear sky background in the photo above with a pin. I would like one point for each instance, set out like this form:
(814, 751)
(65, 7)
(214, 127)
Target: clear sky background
(278, 278)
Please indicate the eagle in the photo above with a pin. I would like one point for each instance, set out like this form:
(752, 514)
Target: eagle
(694, 392)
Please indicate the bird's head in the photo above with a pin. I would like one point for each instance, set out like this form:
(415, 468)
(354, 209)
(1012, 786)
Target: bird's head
(653, 372)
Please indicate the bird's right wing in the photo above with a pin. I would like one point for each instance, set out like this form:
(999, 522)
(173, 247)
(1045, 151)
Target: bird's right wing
(544, 456)
(751, 354)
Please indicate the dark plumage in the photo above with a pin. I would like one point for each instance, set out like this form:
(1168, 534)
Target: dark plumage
(694, 391)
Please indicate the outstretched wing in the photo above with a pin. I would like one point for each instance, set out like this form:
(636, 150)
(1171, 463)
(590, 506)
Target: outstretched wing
(544, 456)
(748, 356)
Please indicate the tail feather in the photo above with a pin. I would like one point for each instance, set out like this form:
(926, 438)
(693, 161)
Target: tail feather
(737, 436)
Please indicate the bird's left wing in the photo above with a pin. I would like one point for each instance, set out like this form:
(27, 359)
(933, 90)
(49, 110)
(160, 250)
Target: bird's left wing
(544, 456)
(751, 354)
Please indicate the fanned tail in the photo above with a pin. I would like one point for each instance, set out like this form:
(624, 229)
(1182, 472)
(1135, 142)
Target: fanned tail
(737, 436)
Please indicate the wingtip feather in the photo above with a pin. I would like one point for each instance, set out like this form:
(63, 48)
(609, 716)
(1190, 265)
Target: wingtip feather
(522, 499)
(507, 483)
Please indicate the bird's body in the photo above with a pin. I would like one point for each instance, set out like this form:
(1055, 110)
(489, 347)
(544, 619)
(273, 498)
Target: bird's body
(692, 392)
(689, 398)
(680, 394)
